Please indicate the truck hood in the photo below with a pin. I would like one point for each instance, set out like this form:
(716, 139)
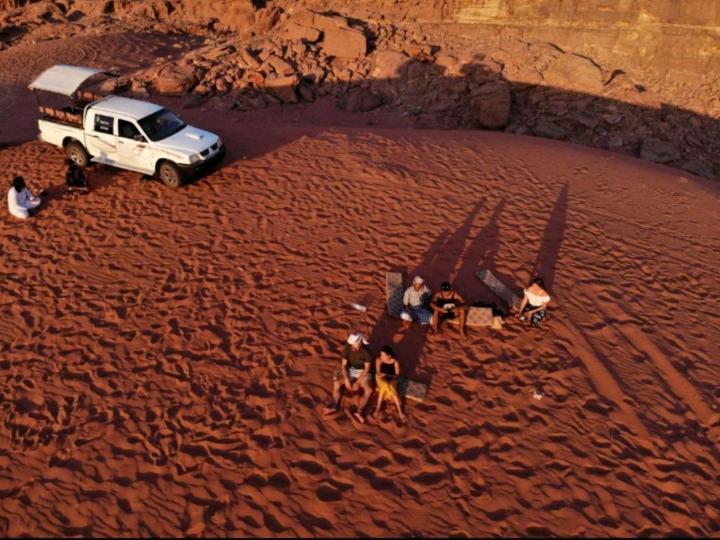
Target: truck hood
(189, 139)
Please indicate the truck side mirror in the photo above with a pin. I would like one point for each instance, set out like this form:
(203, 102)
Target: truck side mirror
(139, 138)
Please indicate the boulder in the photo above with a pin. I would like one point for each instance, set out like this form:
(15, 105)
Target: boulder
(359, 100)
(283, 88)
(344, 43)
(545, 128)
(659, 151)
(388, 64)
(175, 80)
(280, 66)
(294, 31)
(573, 72)
(490, 104)
(246, 60)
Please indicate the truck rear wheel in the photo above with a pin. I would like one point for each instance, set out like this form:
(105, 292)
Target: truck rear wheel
(75, 151)
(170, 174)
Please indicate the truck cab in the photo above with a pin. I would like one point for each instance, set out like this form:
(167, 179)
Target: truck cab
(122, 132)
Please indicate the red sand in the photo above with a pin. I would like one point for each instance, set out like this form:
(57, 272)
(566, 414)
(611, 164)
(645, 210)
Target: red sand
(166, 354)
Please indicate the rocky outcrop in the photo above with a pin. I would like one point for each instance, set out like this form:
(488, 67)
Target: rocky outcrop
(174, 80)
(490, 104)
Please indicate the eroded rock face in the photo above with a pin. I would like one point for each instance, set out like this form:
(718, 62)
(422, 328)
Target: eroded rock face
(573, 72)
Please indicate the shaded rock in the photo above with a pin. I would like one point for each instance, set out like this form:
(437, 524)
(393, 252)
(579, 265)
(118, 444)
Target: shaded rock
(449, 64)
(574, 72)
(545, 128)
(175, 80)
(490, 104)
(221, 87)
(344, 43)
(201, 90)
(360, 100)
(306, 91)
(658, 151)
(388, 64)
(699, 167)
(283, 88)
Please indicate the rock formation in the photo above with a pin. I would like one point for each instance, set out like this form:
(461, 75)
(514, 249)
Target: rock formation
(591, 72)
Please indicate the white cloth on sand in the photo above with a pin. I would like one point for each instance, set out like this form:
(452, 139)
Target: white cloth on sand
(19, 204)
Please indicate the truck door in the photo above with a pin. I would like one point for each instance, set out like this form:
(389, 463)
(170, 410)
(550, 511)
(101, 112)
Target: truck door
(132, 148)
(100, 138)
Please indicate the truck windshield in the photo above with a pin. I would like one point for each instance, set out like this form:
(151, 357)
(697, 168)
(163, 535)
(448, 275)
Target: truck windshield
(160, 125)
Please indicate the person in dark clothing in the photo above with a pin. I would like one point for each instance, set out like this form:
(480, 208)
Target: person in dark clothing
(75, 177)
(447, 304)
(354, 375)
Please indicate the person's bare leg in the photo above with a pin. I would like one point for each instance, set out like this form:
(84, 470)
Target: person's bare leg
(463, 315)
(377, 407)
(435, 322)
(403, 418)
(367, 392)
(337, 396)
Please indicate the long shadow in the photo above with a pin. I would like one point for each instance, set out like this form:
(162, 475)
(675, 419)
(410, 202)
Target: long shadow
(545, 264)
(438, 264)
(480, 253)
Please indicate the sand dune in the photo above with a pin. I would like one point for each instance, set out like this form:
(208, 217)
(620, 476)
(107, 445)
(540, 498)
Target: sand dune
(166, 353)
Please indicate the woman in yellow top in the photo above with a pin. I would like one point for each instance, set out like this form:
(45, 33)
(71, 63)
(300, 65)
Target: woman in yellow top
(387, 370)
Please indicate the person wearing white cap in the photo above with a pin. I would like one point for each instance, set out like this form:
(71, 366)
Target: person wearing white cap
(415, 300)
(354, 375)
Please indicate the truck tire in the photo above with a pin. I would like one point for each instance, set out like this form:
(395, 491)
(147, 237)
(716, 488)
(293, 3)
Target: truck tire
(170, 174)
(76, 151)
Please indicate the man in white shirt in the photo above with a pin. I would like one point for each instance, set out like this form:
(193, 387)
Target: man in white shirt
(21, 201)
(416, 300)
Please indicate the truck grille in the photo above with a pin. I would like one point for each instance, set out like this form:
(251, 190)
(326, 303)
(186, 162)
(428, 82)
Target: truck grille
(206, 152)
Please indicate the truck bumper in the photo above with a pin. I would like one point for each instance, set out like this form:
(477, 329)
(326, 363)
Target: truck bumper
(204, 166)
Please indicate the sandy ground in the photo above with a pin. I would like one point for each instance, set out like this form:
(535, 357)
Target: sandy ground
(166, 354)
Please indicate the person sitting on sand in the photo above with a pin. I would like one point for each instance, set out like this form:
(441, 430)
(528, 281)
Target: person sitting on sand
(75, 177)
(534, 304)
(387, 370)
(416, 300)
(354, 375)
(447, 304)
(21, 201)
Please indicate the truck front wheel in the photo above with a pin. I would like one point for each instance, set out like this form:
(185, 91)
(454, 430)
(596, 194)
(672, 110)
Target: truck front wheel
(75, 151)
(170, 174)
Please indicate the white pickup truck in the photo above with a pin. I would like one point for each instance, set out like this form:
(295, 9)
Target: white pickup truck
(121, 132)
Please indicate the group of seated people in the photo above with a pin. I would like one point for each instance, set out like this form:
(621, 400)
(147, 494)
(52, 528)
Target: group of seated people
(422, 306)
(23, 203)
(357, 371)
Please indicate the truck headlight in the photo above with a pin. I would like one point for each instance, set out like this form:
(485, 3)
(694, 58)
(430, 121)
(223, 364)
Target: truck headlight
(195, 158)
(219, 142)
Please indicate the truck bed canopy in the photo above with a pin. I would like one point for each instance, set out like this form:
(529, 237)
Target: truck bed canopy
(63, 79)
